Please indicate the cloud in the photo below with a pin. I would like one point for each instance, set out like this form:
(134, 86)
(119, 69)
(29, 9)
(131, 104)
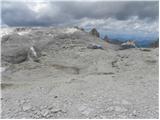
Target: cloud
(16, 13)
(126, 16)
(120, 10)
(131, 25)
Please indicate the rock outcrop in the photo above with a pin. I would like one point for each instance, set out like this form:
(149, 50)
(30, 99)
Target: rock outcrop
(106, 39)
(34, 54)
(128, 44)
(155, 44)
(94, 32)
(79, 28)
(14, 48)
(20, 29)
(17, 48)
(94, 46)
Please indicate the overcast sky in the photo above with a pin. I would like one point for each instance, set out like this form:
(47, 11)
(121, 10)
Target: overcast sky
(128, 15)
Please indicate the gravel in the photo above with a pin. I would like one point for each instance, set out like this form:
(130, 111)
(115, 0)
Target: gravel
(77, 82)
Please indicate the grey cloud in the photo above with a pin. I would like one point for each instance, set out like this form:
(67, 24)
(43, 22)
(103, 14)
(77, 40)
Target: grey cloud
(141, 9)
(19, 14)
(15, 13)
(120, 10)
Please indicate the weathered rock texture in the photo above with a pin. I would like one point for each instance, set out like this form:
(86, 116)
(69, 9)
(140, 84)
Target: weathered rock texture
(72, 81)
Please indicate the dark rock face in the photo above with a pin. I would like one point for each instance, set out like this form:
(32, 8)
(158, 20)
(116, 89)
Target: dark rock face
(106, 39)
(82, 29)
(155, 44)
(79, 28)
(20, 29)
(94, 32)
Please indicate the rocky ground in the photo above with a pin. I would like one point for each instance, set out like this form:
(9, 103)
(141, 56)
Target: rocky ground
(72, 81)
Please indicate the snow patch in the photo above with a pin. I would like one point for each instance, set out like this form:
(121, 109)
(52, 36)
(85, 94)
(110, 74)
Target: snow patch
(5, 31)
(23, 33)
(70, 30)
(2, 69)
(33, 50)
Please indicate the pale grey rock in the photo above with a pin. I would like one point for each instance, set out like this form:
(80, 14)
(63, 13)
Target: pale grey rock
(82, 107)
(116, 102)
(87, 111)
(125, 102)
(99, 90)
(44, 112)
(34, 54)
(26, 107)
(120, 109)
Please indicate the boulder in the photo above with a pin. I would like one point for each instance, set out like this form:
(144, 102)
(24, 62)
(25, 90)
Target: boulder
(14, 48)
(155, 44)
(14, 54)
(94, 32)
(106, 39)
(94, 46)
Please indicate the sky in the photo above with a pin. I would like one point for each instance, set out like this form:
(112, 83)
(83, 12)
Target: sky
(114, 18)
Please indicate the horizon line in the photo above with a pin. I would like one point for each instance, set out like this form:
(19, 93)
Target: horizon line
(79, 0)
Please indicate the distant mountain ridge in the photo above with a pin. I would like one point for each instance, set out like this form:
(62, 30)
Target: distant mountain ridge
(140, 43)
